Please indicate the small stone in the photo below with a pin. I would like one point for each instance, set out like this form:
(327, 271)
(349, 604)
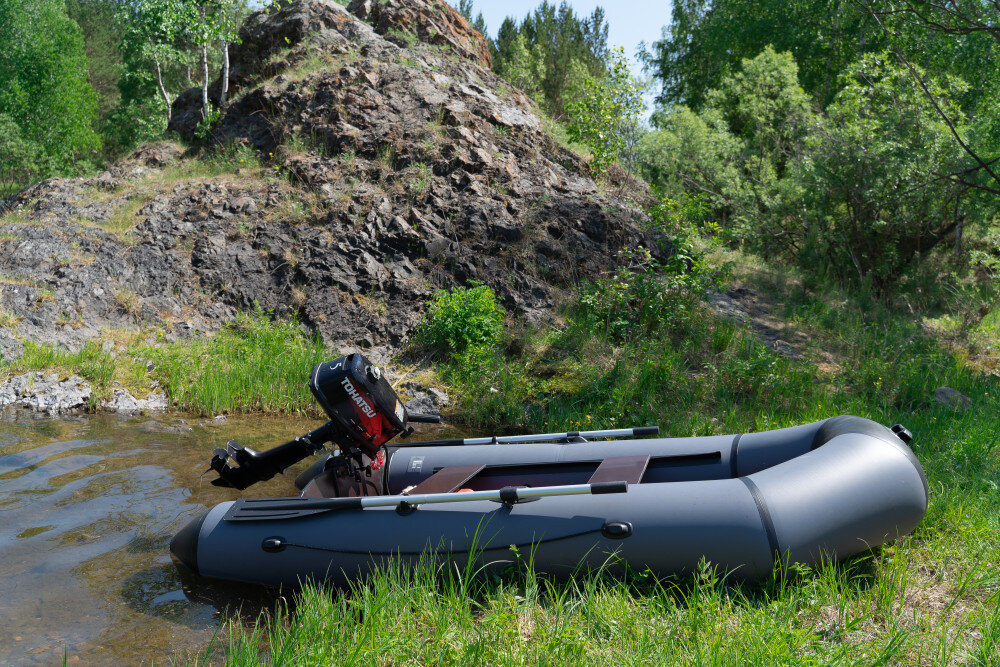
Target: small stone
(439, 397)
(219, 419)
(952, 398)
(422, 404)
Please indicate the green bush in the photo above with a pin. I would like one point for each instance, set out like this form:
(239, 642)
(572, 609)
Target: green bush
(645, 295)
(461, 317)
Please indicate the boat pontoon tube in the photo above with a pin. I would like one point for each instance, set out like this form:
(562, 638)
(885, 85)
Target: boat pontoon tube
(829, 489)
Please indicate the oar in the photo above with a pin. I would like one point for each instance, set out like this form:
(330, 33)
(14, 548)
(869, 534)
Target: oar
(537, 437)
(270, 509)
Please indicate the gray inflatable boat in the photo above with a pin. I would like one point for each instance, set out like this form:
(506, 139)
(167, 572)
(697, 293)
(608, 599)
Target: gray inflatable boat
(830, 489)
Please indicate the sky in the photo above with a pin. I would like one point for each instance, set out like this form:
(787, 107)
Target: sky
(629, 21)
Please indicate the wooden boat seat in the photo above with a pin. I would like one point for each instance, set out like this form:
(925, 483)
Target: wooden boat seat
(621, 469)
(447, 479)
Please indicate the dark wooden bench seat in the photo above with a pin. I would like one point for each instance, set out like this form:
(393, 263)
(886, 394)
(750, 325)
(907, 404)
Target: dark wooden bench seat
(447, 479)
(621, 469)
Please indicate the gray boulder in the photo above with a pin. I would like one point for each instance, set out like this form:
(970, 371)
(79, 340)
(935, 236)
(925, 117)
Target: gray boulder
(952, 398)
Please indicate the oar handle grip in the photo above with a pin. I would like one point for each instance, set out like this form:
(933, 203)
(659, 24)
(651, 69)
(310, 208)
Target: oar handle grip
(646, 430)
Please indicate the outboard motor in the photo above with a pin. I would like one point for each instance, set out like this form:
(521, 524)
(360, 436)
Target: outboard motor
(365, 413)
(356, 395)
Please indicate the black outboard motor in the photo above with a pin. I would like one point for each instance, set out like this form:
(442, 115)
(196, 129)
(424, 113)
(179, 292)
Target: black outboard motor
(356, 395)
(364, 412)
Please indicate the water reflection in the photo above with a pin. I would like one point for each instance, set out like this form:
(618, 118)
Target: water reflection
(87, 509)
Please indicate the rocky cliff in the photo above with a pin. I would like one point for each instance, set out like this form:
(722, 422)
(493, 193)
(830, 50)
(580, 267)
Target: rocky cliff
(366, 157)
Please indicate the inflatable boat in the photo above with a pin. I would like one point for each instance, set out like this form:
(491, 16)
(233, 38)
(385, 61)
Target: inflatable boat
(574, 501)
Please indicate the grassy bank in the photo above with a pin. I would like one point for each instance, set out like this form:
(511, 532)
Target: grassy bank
(252, 364)
(638, 349)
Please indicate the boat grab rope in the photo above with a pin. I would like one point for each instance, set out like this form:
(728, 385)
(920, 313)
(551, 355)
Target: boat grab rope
(358, 552)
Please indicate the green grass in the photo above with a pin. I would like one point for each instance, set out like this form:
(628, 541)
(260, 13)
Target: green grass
(90, 362)
(253, 364)
(875, 609)
(929, 598)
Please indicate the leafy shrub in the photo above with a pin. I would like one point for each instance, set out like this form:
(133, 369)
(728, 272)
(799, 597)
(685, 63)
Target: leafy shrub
(602, 110)
(648, 295)
(751, 370)
(461, 317)
(872, 206)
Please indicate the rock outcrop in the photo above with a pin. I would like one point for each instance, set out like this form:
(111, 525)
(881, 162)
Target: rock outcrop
(393, 162)
(38, 392)
(431, 21)
(45, 393)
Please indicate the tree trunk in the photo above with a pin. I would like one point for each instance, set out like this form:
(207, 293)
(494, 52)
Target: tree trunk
(959, 224)
(163, 89)
(225, 74)
(204, 81)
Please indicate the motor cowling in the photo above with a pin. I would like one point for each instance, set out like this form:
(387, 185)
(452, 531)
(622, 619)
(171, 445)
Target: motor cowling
(355, 394)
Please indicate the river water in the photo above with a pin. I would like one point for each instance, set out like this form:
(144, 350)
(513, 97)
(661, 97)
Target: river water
(87, 509)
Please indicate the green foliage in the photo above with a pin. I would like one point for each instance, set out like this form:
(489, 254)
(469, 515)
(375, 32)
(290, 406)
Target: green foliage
(690, 153)
(162, 42)
(524, 67)
(255, 363)
(764, 106)
(871, 186)
(135, 122)
(21, 160)
(601, 111)
(203, 131)
(44, 91)
(708, 39)
(460, 318)
(101, 38)
(643, 296)
(556, 44)
(860, 193)
(736, 154)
